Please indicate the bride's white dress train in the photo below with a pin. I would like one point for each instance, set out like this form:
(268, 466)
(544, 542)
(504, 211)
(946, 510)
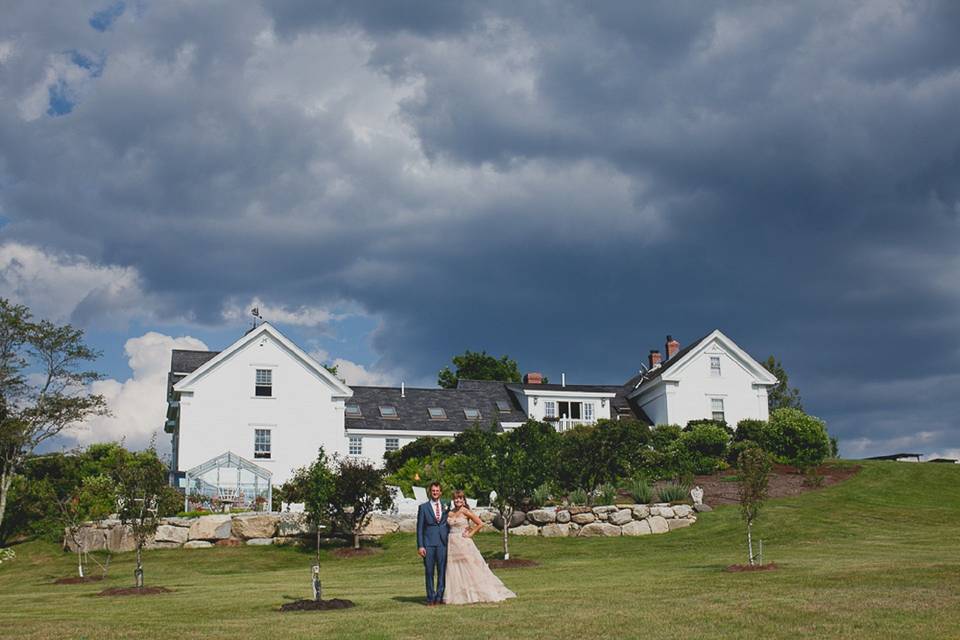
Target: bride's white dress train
(468, 578)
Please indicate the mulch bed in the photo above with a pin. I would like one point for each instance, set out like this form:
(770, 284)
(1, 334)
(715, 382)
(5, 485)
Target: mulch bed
(314, 605)
(350, 552)
(785, 481)
(741, 568)
(512, 563)
(229, 542)
(78, 580)
(133, 591)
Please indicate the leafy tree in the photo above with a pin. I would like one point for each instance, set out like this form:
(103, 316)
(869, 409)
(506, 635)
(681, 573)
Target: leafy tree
(754, 470)
(314, 486)
(781, 395)
(705, 444)
(42, 388)
(590, 455)
(359, 489)
(419, 448)
(141, 481)
(473, 365)
(664, 435)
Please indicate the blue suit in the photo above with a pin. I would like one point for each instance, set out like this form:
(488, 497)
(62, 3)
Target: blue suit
(432, 536)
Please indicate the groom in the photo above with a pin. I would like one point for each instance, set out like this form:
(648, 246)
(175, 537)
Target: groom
(432, 532)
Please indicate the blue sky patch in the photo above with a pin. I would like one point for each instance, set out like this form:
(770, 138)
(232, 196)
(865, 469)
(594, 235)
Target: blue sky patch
(61, 102)
(82, 60)
(104, 19)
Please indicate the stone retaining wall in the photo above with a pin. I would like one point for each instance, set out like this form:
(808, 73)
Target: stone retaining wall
(289, 528)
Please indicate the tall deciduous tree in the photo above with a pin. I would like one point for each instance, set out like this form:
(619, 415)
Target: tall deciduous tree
(474, 365)
(42, 387)
(781, 395)
(754, 477)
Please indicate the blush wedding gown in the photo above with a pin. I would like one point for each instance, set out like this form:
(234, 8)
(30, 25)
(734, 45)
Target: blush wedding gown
(468, 578)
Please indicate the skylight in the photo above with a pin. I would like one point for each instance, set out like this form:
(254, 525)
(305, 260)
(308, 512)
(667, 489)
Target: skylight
(388, 411)
(437, 413)
(471, 414)
(352, 410)
(503, 406)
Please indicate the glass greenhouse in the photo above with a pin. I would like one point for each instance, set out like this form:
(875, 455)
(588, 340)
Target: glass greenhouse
(226, 483)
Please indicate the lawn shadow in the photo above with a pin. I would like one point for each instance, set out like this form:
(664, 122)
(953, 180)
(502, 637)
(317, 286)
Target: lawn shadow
(421, 600)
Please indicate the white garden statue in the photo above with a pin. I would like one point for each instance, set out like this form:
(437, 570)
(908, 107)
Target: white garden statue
(697, 494)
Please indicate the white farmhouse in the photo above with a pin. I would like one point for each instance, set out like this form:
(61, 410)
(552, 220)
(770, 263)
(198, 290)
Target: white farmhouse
(265, 402)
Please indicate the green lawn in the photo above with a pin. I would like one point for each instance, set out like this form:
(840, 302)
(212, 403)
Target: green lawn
(877, 556)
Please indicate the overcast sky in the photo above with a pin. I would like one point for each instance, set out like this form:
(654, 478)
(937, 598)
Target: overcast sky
(394, 182)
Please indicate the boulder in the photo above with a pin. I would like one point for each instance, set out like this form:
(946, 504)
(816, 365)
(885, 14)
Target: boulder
(682, 510)
(526, 530)
(555, 530)
(121, 539)
(658, 524)
(408, 525)
(636, 528)
(177, 522)
(678, 523)
(486, 514)
(603, 517)
(575, 510)
(574, 528)
(623, 516)
(600, 529)
(162, 545)
(197, 544)
(380, 524)
(517, 519)
(293, 524)
(664, 512)
(216, 527)
(89, 538)
(702, 508)
(542, 516)
(259, 525)
(260, 542)
(605, 509)
(583, 518)
(171, 533)
(563, 516)
(641, 511)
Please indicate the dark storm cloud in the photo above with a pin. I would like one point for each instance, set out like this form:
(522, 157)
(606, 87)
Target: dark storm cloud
(562, 182)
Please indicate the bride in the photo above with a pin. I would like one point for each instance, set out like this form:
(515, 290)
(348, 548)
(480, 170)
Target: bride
(468, 578)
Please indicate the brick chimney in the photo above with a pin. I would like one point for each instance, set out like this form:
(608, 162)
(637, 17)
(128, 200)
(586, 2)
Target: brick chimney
(534, 377)
(654, 358)
(672, 347)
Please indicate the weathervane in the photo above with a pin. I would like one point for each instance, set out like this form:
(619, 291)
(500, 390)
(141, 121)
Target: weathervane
(255, 312)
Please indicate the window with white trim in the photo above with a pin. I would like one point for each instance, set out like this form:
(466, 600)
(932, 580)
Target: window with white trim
(716, 409)
(393, 444)
(550, 409)
(715, 366)
(588, 411)
(263, 385)
(355, 446)
(261, 443)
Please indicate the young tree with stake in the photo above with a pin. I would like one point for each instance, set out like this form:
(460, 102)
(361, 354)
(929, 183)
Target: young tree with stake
(753, 471)
(314, 486)
(141, 480)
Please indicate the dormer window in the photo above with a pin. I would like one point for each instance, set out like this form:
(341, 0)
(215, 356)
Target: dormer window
(471, 414)
(388, 411)
(263, 386)
(503, 406)
(437, 413)
(352, 410)
(715, 366)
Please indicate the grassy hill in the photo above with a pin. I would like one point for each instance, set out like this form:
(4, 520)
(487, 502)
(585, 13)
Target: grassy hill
(876, 556)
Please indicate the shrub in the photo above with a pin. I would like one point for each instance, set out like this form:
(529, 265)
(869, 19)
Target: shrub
(699, 422)
(673, 492)
(664, 435)
(705, 445)
(541, 495)
(640, 489)
(736, 448)
(601, 453)
(605, 494)
(419, 448)
(578, 497)
(802, 440)
(759, 432)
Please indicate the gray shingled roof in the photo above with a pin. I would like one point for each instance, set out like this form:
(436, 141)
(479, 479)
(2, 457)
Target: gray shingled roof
(188, 361)
(656, 373)
(412, 408)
